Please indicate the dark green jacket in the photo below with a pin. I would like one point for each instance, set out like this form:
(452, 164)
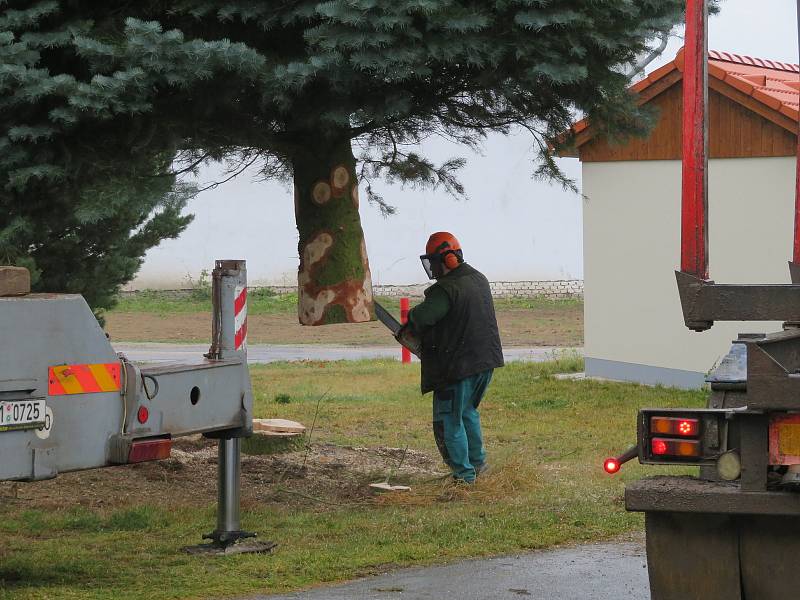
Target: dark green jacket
(466, 340)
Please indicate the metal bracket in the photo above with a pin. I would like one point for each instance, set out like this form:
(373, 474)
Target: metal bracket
(704, 302)
(240, 547)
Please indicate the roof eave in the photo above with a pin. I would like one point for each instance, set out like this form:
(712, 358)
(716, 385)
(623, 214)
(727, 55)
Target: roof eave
(735, 88)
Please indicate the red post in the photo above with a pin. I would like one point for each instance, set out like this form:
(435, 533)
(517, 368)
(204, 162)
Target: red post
(404, 308)
(694, 207)
(796, 253)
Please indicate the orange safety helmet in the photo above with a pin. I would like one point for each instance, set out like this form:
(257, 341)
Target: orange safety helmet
(442, 249)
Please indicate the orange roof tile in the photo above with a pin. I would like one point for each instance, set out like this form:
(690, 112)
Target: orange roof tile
(772, 83)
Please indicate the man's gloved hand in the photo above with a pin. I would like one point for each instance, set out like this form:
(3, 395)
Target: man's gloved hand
(407, 337)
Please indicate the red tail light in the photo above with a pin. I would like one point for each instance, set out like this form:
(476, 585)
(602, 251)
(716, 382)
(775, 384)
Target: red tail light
(675, 426)
(676, 448)
(659, 447)
(682, 436)
(144, 450)
(611, 466)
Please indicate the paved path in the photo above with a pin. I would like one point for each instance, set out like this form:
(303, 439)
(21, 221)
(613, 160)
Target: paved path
(266, 353)
(592, 572)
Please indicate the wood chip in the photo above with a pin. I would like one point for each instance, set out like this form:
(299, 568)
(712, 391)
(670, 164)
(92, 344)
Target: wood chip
(267, 433)
(388, 487)
(279, 426)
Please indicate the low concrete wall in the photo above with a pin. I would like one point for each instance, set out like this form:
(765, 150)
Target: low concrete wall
(566, 288)
(560, 288)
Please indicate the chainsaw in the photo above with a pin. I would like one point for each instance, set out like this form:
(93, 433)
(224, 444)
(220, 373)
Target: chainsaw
(404, 335)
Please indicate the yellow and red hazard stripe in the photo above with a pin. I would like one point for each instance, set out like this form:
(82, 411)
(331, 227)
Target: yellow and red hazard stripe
(83, 379)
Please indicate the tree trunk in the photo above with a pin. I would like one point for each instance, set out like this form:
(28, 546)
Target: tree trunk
(334, 282)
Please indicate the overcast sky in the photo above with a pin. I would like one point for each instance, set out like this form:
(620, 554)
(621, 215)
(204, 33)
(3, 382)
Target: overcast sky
(511, 227)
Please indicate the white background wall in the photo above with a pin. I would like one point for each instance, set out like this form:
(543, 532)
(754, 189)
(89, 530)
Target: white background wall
(632, 248)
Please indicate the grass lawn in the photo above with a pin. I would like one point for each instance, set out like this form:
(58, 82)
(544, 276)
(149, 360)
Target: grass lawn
(155, 317)
(84, 536)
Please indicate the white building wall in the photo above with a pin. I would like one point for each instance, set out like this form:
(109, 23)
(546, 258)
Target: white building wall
(634, 326)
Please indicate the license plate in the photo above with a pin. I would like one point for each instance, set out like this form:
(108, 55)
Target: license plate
(22, 414)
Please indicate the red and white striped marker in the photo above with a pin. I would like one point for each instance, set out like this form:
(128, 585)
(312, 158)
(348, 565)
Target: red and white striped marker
(240, 317)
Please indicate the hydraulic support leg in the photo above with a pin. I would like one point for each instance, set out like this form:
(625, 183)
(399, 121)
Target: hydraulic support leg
(229, 342)
(228, 537)
(228, 493)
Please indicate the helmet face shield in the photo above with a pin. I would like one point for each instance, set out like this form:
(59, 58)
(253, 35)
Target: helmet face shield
(432, 263)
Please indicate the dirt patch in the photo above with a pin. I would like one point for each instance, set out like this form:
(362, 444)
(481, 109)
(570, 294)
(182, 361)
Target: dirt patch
(327, 475)
(561, 326)
(558, 326)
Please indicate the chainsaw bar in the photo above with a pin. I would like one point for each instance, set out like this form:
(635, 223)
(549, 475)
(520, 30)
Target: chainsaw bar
(406, 337)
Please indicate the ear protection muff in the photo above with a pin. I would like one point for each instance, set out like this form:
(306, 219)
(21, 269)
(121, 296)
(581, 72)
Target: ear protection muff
(441, 252)
(452, 258)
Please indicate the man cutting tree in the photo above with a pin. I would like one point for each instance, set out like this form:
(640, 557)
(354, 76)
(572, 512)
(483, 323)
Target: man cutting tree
(457, 326)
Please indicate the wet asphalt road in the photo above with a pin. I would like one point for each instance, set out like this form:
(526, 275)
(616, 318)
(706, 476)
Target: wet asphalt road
(266, 353)
(613, 571)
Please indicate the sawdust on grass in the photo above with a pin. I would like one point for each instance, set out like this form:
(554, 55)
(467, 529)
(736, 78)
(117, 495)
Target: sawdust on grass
(329, 475)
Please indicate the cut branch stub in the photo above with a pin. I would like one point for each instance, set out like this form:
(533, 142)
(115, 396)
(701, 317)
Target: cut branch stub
(334, 281)
(339, 179)
(321, 194)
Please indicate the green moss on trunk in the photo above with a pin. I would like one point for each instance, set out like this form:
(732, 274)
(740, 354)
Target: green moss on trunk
(334, 282)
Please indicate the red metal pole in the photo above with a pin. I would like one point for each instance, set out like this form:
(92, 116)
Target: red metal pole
(404, 308)
(796, 253)
(694, 214)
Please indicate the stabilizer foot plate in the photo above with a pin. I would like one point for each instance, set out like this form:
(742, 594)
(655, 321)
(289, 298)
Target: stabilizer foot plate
(244, 546)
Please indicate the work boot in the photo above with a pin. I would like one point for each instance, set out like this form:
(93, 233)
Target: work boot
(457, 481)
(482, 469)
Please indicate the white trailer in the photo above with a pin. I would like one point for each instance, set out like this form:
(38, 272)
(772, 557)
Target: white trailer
(69, 402)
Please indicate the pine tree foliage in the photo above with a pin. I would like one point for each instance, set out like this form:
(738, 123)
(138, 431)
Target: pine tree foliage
(103, 105)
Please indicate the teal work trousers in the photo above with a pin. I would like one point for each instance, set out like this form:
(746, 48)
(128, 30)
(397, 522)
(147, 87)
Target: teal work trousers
(457, 424)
